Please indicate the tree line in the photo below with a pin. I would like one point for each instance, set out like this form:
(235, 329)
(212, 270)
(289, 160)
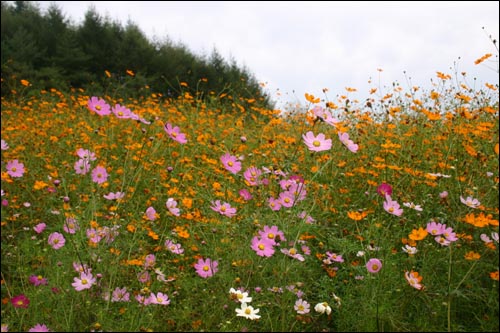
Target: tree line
(49, 51)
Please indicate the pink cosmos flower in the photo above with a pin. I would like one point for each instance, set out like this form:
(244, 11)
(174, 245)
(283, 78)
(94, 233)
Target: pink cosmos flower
(325, 115)
(39, 228)
(20, 301)
(71, 225)
(413, 206)
(15, 169)
(301, 306)
(264, 247)
(316, 143)
(121, 112)
(435, 229)
(223, 209)
(231, 163)
(143, 277)
(344, 138)
(39, 328)
(159, 298)
(86, 154)
(99, 174)
(252, 175)
(374, 265)
(449, 234)
(332, 257)
(245, 194)
(292, 252)
(286, 199)
(273, 234)
(275, 204)
(206, 268)
(114, 196)
(94, 236)
(99, 106)
(172, 206)
(120, 295)
(175, 133)
(443, 195)
(151, 214)
(4, 145)
(414, 280)
(173, 247)
(56, 240)
(471, 202)
(82, 166)
(392, 207)
(37, 280)
(384, 189)
(86, 281)
(149, 261)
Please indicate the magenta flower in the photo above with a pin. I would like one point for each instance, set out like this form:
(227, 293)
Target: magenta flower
(374, 265)
(39, 328)
(223, 209)
(449, 234)
(82, 166)
(286, 199)
(39, 228)
(99, 174)
(172, 207)
(121, 112)
(175, 133)
(120, 295)
(344, 138)
(37, 280)
(245, 194)
(264, 247)
(471, 202)
(316, 143)
(271, 234)
(384, 189)
(56, 240)
(231, 163)
(392, 207)
(20, 301)
(206, 268)
(15, 169)
(86, 281)
(99, 106)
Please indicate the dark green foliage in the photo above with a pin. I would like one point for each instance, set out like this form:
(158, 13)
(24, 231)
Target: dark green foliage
(49, 51)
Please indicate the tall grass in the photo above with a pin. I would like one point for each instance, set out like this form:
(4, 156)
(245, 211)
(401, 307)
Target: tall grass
(436, 149)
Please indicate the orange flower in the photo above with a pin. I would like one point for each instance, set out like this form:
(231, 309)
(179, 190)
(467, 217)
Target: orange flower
(311, 98)
(418, 234)
(494, 275)
(483, 58)
(496, 149)
(357, 216)
(130, 72)
(25, 83)
(471, 255)
(39, 185)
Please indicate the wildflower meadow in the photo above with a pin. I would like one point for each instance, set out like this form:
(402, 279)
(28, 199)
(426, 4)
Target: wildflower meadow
(200, 214)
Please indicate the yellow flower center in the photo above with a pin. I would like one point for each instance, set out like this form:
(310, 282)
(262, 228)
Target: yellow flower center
(316, 143)
(206, 268)
(84, 281)
(270, 235)
(248, 311)
(261, 247)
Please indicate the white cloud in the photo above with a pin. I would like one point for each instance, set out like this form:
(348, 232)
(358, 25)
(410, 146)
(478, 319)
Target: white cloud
(307, 46)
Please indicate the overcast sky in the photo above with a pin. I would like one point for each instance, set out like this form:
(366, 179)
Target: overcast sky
(302, 47)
